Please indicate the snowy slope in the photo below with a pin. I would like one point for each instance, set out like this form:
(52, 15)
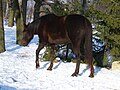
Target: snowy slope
(17, 71)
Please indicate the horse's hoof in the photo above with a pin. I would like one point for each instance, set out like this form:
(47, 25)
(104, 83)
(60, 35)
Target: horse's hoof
(74, 74)
(50, 69)
(37, 66)
(91, 75)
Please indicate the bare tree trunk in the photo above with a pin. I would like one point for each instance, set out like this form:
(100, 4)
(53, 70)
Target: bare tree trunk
(84, 6)
(24, 7)
(19, 21)
(4, 3)
(2, 41)
(6, 10)
(11, 13)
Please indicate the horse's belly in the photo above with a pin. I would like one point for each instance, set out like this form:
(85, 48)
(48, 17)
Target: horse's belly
(58, 40)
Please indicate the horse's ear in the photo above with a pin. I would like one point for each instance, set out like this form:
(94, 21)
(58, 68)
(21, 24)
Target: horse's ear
(25, 25)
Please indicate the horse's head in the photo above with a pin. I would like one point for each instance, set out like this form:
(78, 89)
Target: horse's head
(27, 35)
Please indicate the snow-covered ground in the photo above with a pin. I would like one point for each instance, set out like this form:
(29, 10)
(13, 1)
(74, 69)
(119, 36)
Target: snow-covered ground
(18, 72)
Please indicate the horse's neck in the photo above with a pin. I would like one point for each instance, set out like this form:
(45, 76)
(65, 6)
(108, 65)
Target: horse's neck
(34, 28)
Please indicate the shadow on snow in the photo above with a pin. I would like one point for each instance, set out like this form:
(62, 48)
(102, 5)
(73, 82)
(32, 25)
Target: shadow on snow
(2, 87)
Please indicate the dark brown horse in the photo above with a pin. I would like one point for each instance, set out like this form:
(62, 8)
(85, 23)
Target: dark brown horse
(52, 30)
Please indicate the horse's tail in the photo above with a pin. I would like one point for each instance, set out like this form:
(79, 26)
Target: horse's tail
(88, 43)
(88, 47)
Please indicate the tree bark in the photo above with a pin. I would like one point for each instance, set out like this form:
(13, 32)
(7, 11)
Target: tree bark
(2, 41)
(4, 7)
(11, 13)
(24, 7)
(84, 6)
(19, 22)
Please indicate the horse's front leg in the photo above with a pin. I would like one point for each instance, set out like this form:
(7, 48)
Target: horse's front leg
(77, 68)
(40, 46)
(52, 57)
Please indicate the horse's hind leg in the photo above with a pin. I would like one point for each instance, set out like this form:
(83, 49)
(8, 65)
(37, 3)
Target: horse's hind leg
(88, 58)
(41, 45)
(52, 57)
(76, 50)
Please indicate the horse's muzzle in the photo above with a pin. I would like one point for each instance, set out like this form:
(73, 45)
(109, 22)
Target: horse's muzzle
(23, 43)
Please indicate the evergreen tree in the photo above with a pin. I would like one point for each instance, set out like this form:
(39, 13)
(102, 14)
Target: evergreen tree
(72, 7)
(105, 15)
(37, 8)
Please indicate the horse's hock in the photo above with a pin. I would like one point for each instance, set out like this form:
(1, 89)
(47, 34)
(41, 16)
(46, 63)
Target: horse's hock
(116, 65)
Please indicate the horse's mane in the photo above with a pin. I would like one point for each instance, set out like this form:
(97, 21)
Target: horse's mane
(34, 25)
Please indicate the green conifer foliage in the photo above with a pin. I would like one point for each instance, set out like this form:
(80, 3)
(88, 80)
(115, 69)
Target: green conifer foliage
(105, 14)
